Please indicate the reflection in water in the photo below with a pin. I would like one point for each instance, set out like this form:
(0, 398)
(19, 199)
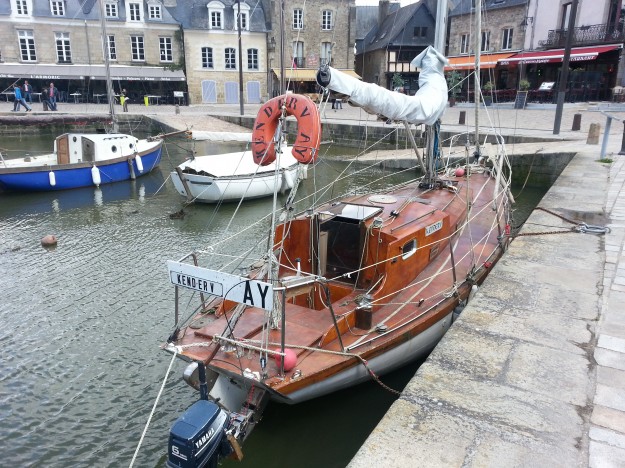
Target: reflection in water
(82, 325)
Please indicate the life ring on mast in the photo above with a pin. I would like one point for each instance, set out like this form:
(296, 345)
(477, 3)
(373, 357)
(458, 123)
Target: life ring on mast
(306, 146)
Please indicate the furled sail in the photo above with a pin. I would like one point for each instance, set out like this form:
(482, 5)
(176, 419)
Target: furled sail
(426, 106)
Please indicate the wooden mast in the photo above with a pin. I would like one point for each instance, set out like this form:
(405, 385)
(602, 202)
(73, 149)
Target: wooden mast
(477, 93)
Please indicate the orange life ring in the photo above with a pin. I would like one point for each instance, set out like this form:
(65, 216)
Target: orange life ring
(306, 146)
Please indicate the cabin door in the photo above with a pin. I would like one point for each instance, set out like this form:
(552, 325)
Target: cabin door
(62, 149)
(342, 241)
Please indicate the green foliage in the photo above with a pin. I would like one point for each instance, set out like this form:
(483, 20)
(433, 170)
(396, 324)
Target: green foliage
(397, 81)
(453, 80)
(488, 86)
(605, 160)
(524, 85)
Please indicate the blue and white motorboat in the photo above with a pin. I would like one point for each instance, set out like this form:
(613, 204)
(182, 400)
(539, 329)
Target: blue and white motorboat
(82, 160)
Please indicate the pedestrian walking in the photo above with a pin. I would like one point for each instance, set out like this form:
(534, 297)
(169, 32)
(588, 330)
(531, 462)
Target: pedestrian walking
(28, 89)
(52, 93)
(124, 100)
(19, 100)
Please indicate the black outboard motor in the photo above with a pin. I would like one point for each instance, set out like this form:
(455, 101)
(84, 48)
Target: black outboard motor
(198, 438)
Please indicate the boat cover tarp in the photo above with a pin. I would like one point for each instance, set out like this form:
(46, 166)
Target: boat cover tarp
(426, 106)
(221, 136)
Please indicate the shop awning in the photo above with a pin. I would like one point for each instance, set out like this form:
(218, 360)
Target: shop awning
(94, 72)
(467, 62)
(307, 74)
(578, 54)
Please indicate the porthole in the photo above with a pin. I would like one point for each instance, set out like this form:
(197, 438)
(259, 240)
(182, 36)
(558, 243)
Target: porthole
(74, 139)
(409, 249)
(114, 149)
(131, 145)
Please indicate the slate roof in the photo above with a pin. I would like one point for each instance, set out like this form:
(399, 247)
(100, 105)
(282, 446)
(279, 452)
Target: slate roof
(392, 28)
(464, 7)
(193, 14)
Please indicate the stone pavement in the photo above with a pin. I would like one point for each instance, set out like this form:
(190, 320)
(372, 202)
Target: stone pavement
(533, 372)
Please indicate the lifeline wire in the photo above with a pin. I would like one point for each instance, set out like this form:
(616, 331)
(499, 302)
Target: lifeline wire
(147, 424)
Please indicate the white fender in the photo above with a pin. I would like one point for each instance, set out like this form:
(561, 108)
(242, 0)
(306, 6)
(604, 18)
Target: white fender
(288, 181)
(95, 176)
(472, 293)
(139, 163)
(52, 178)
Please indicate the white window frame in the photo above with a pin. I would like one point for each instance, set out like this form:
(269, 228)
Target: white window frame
(506, 38)
(111, 9)
(230, 58)
(63, 47)
(165, 47)
(134, 12)
(485, 41)
(298, 53)
(327, 20)
(137, 48)
(21, 8)
(26, 42)
(464, 44)
(111, 47)
(325, 53)
(252, 59)
(57, 7)
(245, 16)
(215, 15)
(297, 22)
(208, 61)
(155, 11)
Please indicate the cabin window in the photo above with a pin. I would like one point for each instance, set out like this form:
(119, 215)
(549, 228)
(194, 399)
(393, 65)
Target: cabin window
(409, 249)
(113, 149)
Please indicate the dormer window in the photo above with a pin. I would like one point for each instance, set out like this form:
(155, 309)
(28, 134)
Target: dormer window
(134, 12)
(22, 7)
(57, 7)
(155, 11)
(215, 15)
(110, 9)
(245, 16)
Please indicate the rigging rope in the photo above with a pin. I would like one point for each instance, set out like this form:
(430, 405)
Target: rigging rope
(147, 424)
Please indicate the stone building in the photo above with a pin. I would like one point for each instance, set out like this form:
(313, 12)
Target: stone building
(315, 33)
(501, 37)
(211, 44)
(61, 41)
(384, 55)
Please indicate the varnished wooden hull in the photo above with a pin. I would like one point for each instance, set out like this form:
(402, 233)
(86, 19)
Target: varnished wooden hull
(395, 248)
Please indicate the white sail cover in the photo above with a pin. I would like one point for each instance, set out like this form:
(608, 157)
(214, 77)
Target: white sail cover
(426, 106)
(221, 136)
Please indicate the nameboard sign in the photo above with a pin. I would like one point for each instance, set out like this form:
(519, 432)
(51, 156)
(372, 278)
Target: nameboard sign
(521, 99)
(178, 93)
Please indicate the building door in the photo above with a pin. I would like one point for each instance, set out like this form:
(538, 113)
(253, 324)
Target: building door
(209, 91)
(253, 92)
(232, 92)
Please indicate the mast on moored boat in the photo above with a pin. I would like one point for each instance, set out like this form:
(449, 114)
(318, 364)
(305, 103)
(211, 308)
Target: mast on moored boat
(107, 66)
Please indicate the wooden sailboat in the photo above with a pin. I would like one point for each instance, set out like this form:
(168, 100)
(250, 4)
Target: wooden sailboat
(350, 289)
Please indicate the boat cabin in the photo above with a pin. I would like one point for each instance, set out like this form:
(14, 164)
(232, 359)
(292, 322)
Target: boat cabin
(377, 244)
(73, 148)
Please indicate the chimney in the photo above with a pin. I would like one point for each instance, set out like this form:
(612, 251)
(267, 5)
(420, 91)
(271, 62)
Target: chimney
(383, 11)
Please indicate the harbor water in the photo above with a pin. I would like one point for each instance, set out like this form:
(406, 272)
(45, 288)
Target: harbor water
(82, 325)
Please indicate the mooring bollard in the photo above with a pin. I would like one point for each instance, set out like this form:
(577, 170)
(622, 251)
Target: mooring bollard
(577, 122)
(593, 134)
(177, 109)
(462, 117)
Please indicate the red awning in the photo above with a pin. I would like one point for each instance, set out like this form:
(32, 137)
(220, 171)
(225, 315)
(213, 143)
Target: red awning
(467, 62)
(578, 54)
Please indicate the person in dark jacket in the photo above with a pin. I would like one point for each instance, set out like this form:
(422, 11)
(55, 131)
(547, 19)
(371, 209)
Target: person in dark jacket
(52, 94)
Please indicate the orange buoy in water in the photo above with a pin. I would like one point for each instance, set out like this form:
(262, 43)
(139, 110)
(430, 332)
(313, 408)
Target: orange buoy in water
(306, 146)
(49, 240)
(290, 359)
